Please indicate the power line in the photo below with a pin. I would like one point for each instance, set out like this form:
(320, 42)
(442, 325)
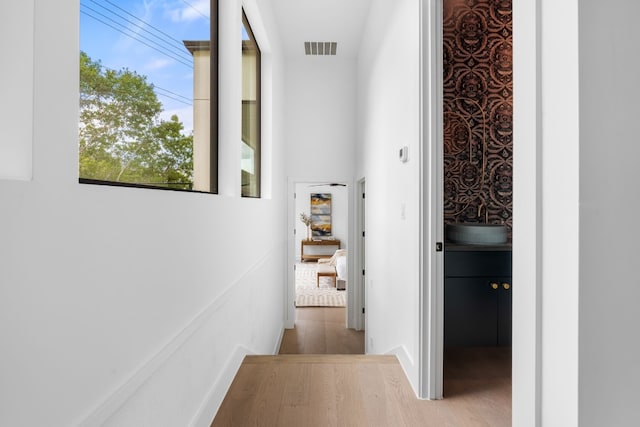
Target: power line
(175, 55)
(197, 10)
(172, 97)
(124, 28)
(144, 22)
(169, 94)
(167, 39)
(168, 54)
(173, 93)
(165, 43)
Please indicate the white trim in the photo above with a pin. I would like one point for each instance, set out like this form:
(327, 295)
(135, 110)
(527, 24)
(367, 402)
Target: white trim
(353, 292)
(290, 260)
(527, 215)
(254, 16)
(211, 403)
(360, 257)
(403, 357)
(99, 415)
(431, 328)
(278, 344)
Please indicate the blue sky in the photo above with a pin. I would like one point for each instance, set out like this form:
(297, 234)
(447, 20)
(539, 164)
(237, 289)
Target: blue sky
(146, 36)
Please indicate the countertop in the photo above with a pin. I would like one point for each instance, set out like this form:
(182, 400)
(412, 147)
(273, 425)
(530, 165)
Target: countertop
(458, 247)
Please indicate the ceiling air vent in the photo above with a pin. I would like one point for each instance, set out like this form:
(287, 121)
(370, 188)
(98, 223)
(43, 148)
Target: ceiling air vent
(320, 48)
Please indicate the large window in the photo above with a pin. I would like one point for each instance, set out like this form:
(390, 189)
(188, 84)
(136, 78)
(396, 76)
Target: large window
(148, 94)
(250, 162)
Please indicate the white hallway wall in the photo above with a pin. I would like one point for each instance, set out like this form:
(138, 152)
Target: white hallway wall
(609, 174)
(321, 117)
(388, 118)
(131, 306)
(320, 129)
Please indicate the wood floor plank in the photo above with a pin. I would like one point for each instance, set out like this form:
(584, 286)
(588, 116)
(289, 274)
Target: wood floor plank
(295, 408)
(373, 393)
(322, 394)
(350, 407)
(265, 409)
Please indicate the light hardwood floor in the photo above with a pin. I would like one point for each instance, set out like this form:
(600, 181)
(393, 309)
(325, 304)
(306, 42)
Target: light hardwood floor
(356, 390)
(321, 330)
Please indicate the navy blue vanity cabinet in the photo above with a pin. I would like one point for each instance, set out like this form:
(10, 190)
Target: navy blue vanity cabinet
(477, 296)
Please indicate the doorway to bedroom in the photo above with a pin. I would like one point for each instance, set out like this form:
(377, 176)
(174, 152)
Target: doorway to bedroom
(321, 232)
(320, 279)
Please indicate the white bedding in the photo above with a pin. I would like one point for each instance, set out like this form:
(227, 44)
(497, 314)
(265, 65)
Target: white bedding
(341, 267)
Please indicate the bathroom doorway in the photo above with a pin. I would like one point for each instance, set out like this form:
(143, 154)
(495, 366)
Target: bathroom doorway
(477, 135)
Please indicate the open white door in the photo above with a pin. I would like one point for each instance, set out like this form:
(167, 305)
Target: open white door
(432, 223)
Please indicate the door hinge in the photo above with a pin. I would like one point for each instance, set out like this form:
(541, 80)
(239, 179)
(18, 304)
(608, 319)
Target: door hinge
(362, 310)
(363, 195)
(363, 234)
(438, 246)
(363, 272)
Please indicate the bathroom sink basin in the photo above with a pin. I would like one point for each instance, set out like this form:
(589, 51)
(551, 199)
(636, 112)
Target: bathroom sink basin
(476, 234)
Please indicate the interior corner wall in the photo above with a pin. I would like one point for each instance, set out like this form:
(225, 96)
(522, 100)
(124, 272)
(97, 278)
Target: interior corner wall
(388, 119)
(609, 372)
(125, 306)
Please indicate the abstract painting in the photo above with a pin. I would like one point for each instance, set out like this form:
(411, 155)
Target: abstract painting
(321, 214)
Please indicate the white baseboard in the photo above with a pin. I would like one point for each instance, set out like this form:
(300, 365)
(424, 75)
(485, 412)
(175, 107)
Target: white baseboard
(211, 403)
(406, 361)
(218, 391)
(116, 399)
(276, 349)
(402, 354)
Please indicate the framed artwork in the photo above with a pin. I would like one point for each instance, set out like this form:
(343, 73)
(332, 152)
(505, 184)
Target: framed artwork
(321, 214)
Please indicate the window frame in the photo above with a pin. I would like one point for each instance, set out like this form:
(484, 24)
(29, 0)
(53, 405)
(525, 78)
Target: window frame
(213, 120)
(258, 149)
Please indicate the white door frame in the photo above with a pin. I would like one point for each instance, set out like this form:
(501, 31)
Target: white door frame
(360, 255)
(431, 328)
(290, 291)
(527, 229)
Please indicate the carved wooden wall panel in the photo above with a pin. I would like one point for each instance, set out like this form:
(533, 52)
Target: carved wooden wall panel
(478, 111)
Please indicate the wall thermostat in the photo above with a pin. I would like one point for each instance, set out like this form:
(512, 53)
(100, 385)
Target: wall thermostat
(403, 154)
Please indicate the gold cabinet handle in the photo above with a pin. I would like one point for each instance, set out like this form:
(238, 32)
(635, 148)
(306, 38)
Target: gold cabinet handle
(506, 286)
(494, 286)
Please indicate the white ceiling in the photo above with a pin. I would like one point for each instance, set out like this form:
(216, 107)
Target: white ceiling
(339, 21)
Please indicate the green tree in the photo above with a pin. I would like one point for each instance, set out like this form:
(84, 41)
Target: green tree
(122, 138)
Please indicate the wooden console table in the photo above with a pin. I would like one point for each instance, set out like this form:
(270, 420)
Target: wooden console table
(325, 249)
